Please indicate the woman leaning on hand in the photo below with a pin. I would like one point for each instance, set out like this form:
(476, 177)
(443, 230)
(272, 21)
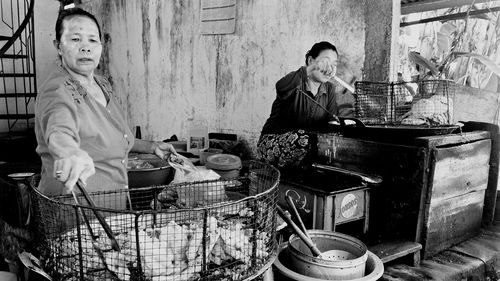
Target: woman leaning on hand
(80, 129)
(299, 108)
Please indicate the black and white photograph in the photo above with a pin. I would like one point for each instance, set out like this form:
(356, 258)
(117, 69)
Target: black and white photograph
(238, 140)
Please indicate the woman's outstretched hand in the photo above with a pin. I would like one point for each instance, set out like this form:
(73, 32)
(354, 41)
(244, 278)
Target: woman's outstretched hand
(68, 170)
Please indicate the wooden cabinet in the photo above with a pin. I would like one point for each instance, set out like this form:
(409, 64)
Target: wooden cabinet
(433, 189)
(458, 177)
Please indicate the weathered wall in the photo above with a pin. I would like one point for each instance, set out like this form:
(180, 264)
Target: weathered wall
(471, 104)
(46, 54)
(166, 73)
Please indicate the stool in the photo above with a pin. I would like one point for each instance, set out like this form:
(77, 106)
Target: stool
(398, 249)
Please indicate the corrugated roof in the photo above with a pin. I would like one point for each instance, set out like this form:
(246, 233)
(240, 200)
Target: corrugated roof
(416, 6)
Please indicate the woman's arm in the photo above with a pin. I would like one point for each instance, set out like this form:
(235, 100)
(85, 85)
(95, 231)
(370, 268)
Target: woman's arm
(161, 149)
(57, 114)
(72, 163)
(341, 105)
(286, 86)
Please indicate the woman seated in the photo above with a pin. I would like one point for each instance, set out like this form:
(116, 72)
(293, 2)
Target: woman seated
(305, 102)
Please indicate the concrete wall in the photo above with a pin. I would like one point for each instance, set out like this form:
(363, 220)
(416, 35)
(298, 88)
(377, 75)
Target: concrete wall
(46, 55)
(166, 73)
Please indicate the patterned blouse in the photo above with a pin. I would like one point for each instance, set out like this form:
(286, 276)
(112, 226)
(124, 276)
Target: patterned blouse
(64, 106)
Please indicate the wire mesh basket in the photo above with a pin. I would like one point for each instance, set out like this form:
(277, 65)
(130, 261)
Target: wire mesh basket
(215, 230)
(427, 102)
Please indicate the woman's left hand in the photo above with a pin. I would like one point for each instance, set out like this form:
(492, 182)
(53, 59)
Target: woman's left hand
(163, 149)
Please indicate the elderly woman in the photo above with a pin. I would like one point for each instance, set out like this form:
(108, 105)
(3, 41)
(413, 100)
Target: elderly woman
(305, 102)
(80, 128)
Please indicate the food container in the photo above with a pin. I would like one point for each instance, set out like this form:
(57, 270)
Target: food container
(204, 153)
(226, 165)
(197, 137)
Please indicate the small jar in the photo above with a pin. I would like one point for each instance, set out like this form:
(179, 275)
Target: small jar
(226, 165)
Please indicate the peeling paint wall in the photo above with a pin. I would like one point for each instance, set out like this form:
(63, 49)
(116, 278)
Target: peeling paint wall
(46, 53)
(166, 73)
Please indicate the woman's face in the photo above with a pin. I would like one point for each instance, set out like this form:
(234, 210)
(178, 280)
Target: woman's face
(327, 65)
(80, 47)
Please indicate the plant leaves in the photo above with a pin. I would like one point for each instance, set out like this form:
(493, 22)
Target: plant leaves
(447, 29)
(491, 65)
(418, 59)
(479, 16)
(443, 42)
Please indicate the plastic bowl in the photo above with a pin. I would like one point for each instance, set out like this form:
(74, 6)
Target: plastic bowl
(205, 153)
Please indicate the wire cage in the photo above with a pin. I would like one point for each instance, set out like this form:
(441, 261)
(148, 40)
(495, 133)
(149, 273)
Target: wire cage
(427, 102)
(209, 230)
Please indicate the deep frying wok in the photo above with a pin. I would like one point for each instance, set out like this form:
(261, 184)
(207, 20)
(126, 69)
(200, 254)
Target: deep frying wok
(383, 132)
(390, 132)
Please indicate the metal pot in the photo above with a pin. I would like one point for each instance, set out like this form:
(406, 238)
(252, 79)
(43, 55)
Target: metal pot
(160, 174)
(140, 179)
(352, 256)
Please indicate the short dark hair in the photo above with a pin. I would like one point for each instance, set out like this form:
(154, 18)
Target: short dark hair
(68, 14)
(318, 48)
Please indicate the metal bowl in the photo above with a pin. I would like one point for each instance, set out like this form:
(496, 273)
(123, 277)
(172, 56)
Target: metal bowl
(140, 179)
(350, 265)
(160, 174)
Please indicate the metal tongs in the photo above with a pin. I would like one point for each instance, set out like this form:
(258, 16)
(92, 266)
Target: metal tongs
(372, 179)
(82, 187)
(303, 236)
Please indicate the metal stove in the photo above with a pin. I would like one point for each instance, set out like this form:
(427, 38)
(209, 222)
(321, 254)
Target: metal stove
(327, 196)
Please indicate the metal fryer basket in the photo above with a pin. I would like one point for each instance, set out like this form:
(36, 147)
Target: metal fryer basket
(393, 103)
(230, 235)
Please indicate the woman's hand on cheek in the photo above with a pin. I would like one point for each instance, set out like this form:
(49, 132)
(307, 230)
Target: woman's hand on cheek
(313, 66)
(326, 68)
(322, 65)
(68, 170)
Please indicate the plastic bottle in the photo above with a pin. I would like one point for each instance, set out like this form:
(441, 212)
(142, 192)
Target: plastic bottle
(197, 137)
(138, 132)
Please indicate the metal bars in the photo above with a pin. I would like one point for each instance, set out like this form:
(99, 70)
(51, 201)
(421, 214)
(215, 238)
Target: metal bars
(17, 64)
